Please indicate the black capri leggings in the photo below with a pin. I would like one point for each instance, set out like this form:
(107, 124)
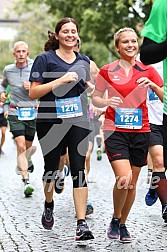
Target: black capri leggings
(53, 138)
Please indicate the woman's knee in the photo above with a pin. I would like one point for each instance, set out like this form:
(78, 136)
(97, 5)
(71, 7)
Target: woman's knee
(78, 178)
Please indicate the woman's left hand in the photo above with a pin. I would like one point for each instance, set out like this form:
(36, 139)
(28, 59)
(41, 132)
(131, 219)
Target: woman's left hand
(145, 82)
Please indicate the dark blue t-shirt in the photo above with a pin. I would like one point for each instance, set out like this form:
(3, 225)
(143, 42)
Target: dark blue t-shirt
(47, 67)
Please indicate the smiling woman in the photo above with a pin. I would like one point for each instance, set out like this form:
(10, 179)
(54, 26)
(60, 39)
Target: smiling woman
(126, 126)
(53, 42)
(62, 119)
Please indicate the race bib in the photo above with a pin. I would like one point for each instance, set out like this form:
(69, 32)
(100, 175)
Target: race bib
(26, 114)
(152, 95)
(128, 118)
(69, 107)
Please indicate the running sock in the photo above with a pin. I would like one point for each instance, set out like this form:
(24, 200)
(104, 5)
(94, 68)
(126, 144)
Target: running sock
(50, 204)
(159, 180)
(152, 189)
(26, 181)
(81, 221)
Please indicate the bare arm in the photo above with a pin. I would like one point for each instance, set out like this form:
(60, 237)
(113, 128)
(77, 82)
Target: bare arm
(145, 82)
(100, 101)
(159, 91)
(38, 89)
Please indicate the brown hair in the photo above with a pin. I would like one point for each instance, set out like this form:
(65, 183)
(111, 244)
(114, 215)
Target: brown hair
(118, 33)
(52, 42)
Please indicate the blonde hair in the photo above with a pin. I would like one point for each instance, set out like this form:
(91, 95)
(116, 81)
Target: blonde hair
(20, 43)
(118, 33)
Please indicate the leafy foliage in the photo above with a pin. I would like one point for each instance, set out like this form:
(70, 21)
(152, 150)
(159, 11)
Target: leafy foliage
(98, 20)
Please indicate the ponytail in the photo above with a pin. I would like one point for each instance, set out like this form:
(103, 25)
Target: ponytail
(52, 42)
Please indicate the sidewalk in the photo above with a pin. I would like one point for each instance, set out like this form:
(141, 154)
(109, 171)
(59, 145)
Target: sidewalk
(20, 217)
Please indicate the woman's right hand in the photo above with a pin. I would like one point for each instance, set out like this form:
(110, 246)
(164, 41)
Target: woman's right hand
(69, 77)
(114, 102)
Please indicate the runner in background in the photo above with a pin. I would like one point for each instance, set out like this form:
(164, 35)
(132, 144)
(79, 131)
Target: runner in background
(22, 110)
(153, 50)
(155, 112)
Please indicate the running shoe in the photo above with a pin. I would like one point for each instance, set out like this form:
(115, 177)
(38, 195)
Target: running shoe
(164, 213)
(30, 166)
(99, 154)
(83, 233)
(47, 218)
(89, 209)
(124, 234)
(28, 189)
(113, 230)
(59, 185)
(151, 197)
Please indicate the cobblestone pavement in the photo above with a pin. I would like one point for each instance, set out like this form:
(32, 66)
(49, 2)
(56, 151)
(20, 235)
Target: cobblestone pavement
(20, 217)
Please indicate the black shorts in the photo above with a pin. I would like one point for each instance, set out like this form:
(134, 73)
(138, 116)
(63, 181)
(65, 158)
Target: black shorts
(22, 128)
(165, 139)
(3, 121)
(127, 145)
(156, 135)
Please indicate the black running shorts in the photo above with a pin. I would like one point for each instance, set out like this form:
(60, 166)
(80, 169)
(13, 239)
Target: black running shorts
(127, 145)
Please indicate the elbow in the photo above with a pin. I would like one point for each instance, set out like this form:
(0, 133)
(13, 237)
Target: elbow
(31, 96)
(95, 102)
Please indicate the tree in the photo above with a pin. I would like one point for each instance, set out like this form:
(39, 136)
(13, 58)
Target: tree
(5, 53)
(98, 20)
(35, 21)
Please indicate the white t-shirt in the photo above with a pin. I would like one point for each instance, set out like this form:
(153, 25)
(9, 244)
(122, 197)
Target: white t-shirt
(155, 106)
